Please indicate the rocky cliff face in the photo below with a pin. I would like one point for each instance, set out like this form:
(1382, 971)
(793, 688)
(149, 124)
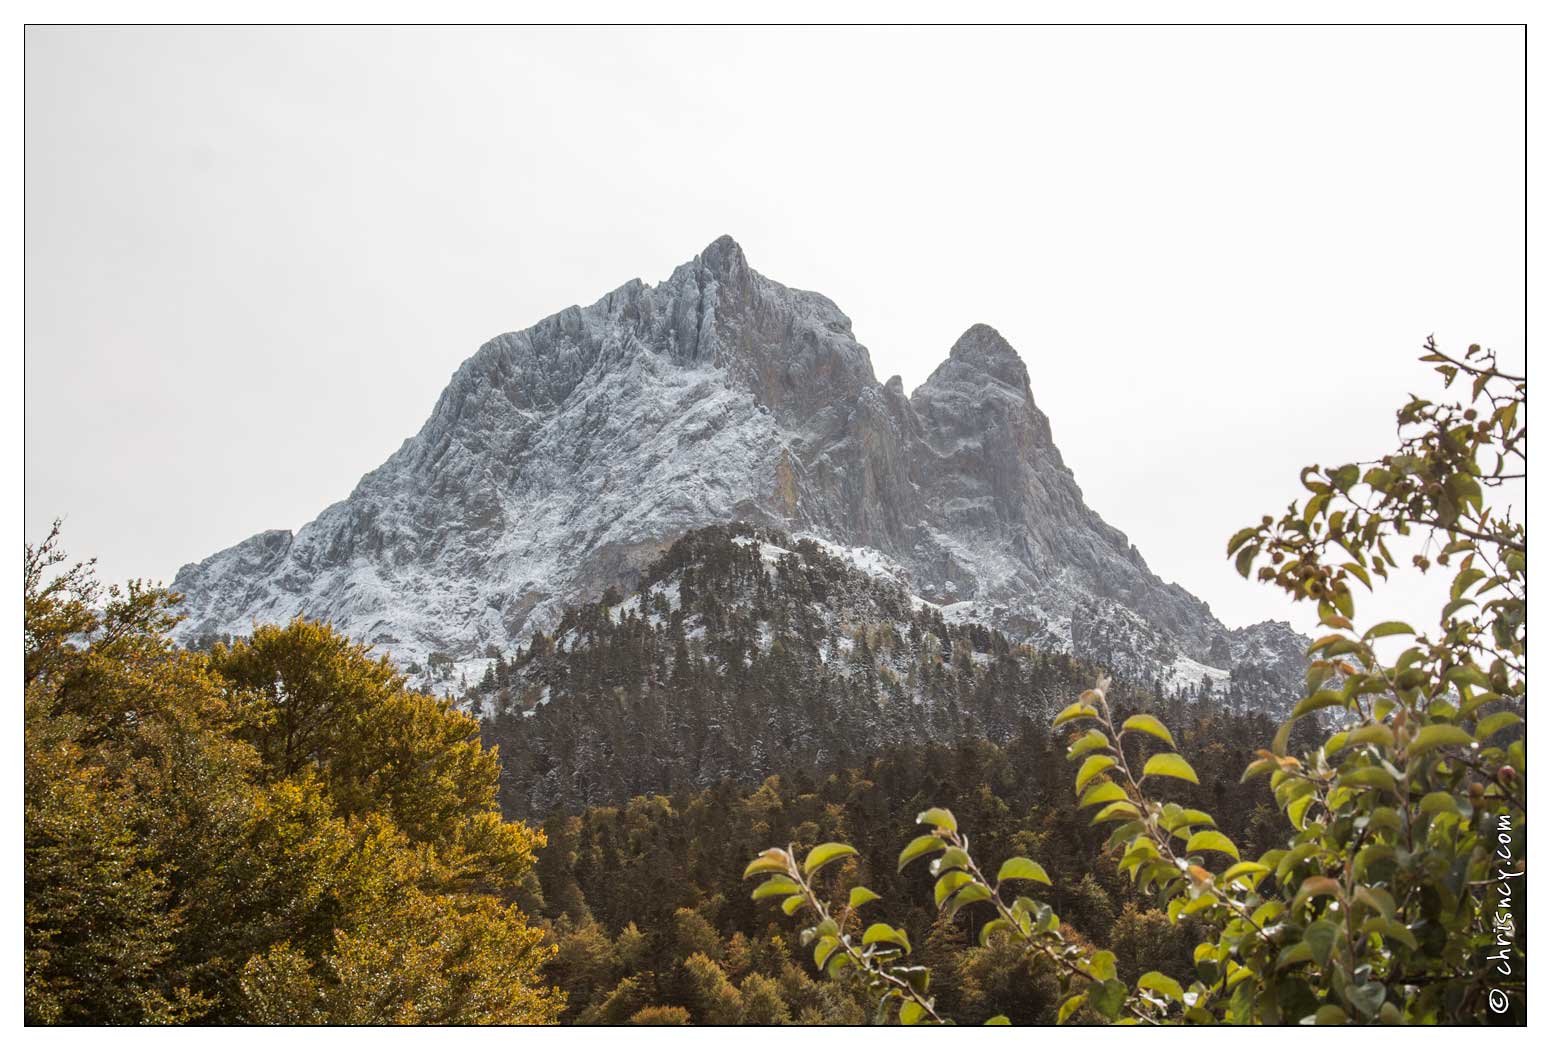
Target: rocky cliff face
(561, 459)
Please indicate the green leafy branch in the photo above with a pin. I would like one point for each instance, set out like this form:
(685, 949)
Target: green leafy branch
(877, 959)
(960, 882)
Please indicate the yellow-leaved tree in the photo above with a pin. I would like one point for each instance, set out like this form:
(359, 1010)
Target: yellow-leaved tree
(275, 832)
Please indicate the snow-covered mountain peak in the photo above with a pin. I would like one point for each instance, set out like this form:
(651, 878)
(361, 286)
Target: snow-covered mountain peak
(724, 257)
(563, 457)
(982, 347)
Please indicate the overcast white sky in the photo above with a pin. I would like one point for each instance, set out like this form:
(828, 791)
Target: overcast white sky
(254, 257)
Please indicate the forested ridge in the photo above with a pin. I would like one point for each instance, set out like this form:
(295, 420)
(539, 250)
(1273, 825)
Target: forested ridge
(742, 652)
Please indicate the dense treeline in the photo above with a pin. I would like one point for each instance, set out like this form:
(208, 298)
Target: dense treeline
(274, 832)
(743, 652)
(654, 924)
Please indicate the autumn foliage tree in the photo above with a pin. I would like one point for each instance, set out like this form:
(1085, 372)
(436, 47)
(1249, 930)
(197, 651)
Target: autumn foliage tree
(275, 832)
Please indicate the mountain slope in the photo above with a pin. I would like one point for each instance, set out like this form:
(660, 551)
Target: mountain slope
(743, 651)
(561, 459)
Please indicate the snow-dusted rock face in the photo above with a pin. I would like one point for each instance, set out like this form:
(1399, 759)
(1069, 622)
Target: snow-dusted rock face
(562, 458)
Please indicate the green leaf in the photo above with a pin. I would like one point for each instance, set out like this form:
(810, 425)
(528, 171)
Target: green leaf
(882, 932)
(998, 1020)
(919, 848)
(1329, 616)
(1207, 839)
(1158, 982)
(938, 817)
(1315, 886)
(1439, 803)
(1118, 810)
(1315, 505)
(1291, 859)
(1384, 818)
(838, 962)
(772, 860)
(1103, 792)
(1330, 1014)
(1297, 952)
(911, 1013)
(1022, 868)
(1467, 675)
(1438, 735)
(1087, 743)
(967, 895)
(1149, 724)
(774, 887)
(1069, 1006)
(792, 904)
(1102, 964)
(822, 951)
(1170, 764)
(1321, 936)
(1108, 998)
(950, 883)
(1092, 767)
(1389, 627)
(1075, 710)
(1321, 699)
(1372, 733)
(1372, 854)
(1378, 899)
(1488, 726)
(1258, 768)
(1238, 539)
(1367, 998)
(824, 854)
(1244, 868)
(1463, 580)
(861, 896)
(1367, 777)
(1342, 597)
(952, 858)
(1391, 929)
(991, 928)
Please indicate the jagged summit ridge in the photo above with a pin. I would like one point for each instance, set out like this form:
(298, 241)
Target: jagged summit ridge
(561, 458)
(982, 347)
(725, 257)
